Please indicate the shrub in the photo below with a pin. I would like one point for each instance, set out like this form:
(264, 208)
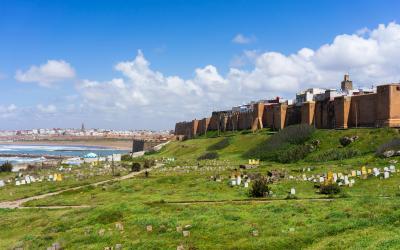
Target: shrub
(334, 154)
(148, 163)
(294, 134)
(259, 188)
(6, 167)
(393, 144)
(135, 167)
(220, 145)
(208, 156)
(150, 152)
(344, 141)
(108, 216)
(329, 189)
(292, 154)
(126, 158)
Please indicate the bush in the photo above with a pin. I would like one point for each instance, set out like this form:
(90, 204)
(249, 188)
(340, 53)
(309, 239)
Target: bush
(329, 189)
(292, 154)
(334, 155)
(6, 167)
(259, 188)
(291, 135)
(208, 156)
(135, 167)
(220, 145)
(393, 144)
(148, 163)
(126, 158)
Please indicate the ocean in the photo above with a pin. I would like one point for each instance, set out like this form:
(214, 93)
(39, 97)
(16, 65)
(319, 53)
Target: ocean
(34, 153)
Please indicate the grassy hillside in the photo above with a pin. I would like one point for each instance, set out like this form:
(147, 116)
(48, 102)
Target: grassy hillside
(241, 142)
(182, 193)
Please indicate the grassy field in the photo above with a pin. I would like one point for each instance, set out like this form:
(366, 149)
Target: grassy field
(219, 216)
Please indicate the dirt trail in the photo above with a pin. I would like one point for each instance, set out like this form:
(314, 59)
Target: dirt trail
(19, 203)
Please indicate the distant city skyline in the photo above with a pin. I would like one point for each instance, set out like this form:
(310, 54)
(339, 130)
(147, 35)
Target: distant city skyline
(148, 64)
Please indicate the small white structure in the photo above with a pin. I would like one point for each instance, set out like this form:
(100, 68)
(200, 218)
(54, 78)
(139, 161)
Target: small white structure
(2, 184)
(292, 191)
(238, 180)
(90, 157)
(386, 175)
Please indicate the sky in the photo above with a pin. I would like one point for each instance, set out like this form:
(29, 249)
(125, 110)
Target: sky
(148, 64)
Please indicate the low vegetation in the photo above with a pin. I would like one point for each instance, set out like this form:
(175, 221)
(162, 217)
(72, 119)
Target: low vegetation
(225, 142)
(208, 156)
(6, 167)
(334, 154)
(259, 188)
(288, 145)
(393, 144)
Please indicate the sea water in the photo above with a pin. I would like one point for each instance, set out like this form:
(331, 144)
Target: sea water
(18, 153)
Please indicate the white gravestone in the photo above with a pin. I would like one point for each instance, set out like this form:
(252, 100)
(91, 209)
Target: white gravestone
(238, 180)
(386, 175)
(292, 191)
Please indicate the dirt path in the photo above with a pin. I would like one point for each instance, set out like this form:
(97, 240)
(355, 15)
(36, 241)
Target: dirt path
(19, 203)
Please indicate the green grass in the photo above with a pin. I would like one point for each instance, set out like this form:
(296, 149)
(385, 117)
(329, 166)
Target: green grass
(366, 215)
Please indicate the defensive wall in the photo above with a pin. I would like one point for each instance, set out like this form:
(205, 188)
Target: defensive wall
(380, 109)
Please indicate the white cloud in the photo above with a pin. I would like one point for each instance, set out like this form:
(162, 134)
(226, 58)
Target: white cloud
(241, 39)
(147, 94)
(47, 74)
(49, 109)
(8, 111)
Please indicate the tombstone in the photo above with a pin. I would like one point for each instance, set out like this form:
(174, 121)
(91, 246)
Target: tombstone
(233, 182)
(358, 173)
(392, 169)
(353, 173)
(385, 169)
(304, 177)
(255, 233)
(346, 180)
(293, 191)
(321, 179)
(32, 179)
(118, 246)
(238, 180)
(376, 171)
(2, 184)
(363, 170)
(27, 180)
(149, 228)
(23, 182)
(119, 226)
(17, 183)
(179, 229)
(335, 177)
(308, 169)
(386, 175)
(369, 171)
(246, 184)
(186, 233)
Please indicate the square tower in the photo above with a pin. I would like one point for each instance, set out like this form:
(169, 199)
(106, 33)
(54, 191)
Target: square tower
(346, 83)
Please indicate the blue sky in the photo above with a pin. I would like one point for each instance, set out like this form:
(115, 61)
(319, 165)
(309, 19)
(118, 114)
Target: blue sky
(176, 39)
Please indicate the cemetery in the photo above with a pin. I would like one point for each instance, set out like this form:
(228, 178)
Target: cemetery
(186, 203)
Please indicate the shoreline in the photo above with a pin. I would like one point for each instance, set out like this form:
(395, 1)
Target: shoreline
(109, 143)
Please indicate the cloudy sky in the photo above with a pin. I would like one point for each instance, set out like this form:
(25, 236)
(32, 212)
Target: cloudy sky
(147, 64)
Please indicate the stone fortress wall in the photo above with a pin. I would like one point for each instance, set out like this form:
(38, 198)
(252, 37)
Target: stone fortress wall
(378, 108)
